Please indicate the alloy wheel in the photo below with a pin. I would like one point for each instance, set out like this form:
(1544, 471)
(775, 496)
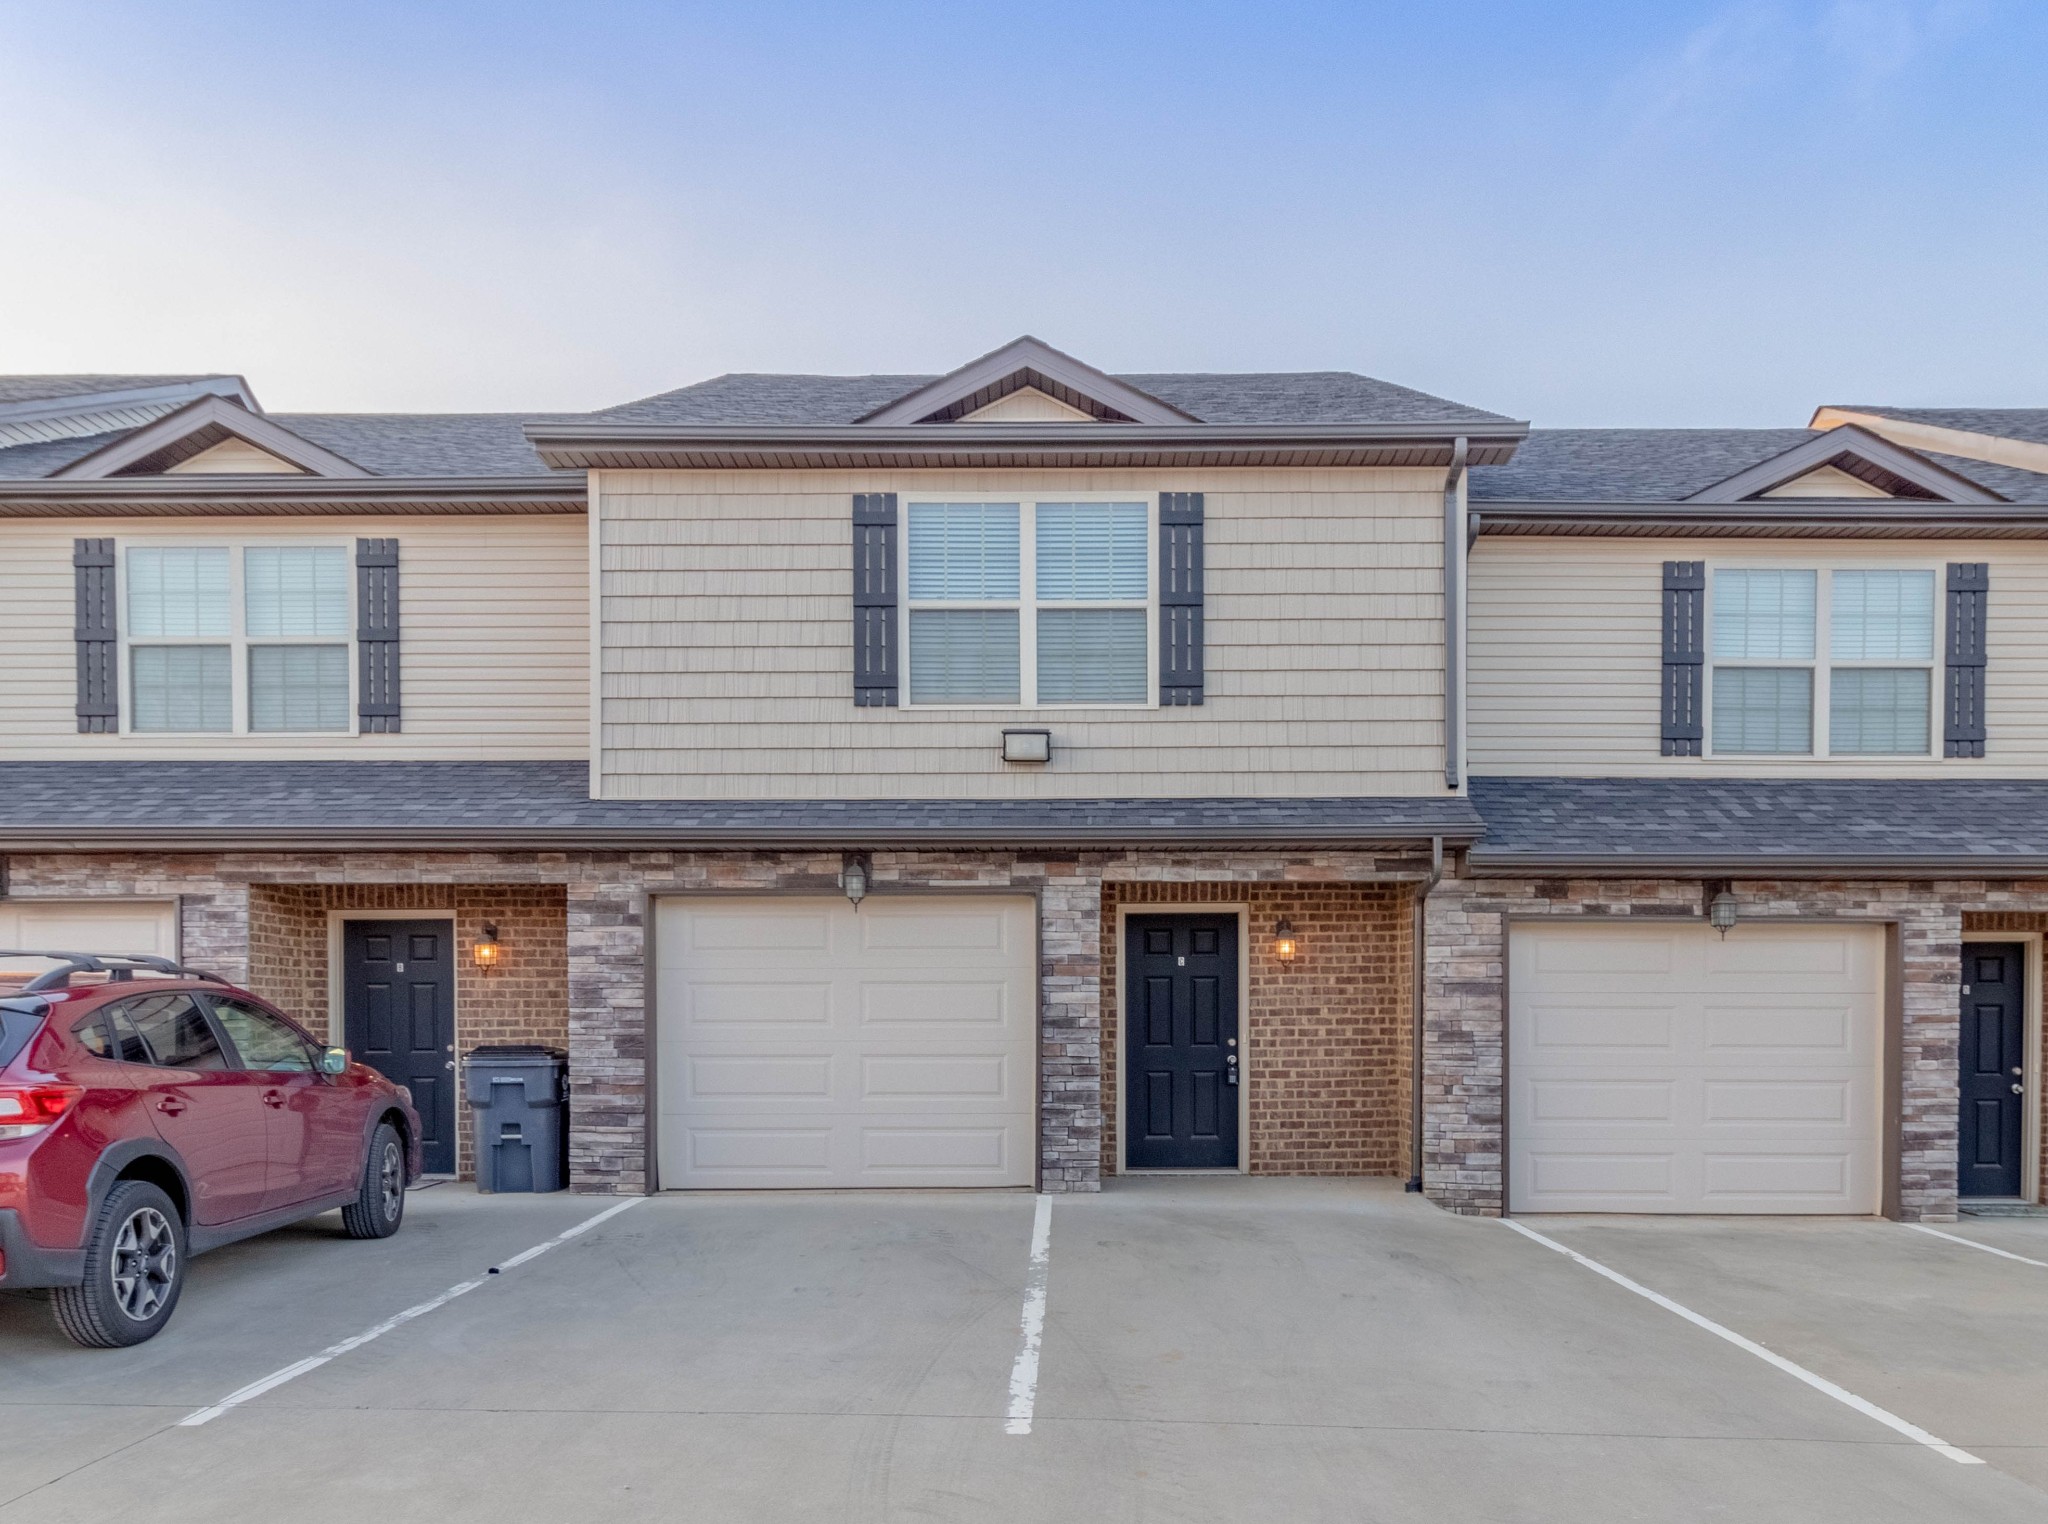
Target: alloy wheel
(145, 1264)
(391, 1182)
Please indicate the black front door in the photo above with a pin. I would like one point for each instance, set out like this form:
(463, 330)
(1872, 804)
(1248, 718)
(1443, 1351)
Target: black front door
(1992, 1069)
(398, 995)
(1180, 1041)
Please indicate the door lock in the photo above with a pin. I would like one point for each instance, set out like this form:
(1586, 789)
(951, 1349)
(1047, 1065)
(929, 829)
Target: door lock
(1230, 1068)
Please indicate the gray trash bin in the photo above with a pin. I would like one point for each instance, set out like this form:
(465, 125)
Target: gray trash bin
(518, 1099)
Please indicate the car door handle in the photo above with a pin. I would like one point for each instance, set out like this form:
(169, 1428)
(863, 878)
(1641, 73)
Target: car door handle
(171, 1106)
(274, 1099)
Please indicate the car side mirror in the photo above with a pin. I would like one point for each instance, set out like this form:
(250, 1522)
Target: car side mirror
(334, 1061)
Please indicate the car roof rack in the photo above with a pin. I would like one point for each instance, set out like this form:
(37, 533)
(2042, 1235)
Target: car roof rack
(118, 967)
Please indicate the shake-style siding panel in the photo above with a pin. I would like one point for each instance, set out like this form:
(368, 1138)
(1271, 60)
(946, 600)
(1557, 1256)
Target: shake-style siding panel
(727, 658)
(494, 618)
(1564, 668)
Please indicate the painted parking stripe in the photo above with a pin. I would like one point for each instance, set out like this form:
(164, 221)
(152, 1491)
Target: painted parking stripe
(1819, 1383)
(1971, 1243)
(1024, 1374)
(292, 1372)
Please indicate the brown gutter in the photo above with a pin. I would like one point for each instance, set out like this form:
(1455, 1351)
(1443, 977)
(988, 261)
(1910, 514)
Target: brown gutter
(1780, 518)
(1482, 864)
(204, 495)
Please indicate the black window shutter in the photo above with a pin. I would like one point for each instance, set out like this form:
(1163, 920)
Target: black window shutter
(1180, 598)
(97, 636)
(377, 689)
(876, 664)
(1969, 586)
(1685, 607)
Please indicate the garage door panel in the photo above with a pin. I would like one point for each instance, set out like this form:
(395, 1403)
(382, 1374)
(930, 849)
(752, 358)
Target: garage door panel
(91, 926)
(896, 1047)
(1763, 1099)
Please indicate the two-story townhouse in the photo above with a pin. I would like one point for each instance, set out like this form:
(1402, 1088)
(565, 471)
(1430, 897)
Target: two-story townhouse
(996, 778)
(1758, 733)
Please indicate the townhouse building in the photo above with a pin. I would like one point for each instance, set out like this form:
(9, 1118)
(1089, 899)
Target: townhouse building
(1026, 775)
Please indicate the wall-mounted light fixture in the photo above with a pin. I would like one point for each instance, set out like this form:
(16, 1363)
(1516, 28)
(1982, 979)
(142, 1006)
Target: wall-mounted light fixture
(485, 951)
(1027, 746)
(1722, 911)
(854, 877)
(1283, 940)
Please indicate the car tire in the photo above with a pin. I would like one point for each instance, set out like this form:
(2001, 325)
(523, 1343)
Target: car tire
(379, 1206)
(134, 1270)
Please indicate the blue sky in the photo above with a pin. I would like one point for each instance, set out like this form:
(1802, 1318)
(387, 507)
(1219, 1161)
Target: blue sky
(1581, 213)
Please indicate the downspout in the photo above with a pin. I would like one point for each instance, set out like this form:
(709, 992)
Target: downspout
(1454, 616)
(1417, 943)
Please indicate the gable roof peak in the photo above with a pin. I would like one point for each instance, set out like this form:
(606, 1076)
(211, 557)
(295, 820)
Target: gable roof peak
(1900, 472)
(1027, 362)
(197, 427)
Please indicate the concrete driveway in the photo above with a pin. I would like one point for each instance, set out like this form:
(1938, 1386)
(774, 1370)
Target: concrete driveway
(1212, 1350)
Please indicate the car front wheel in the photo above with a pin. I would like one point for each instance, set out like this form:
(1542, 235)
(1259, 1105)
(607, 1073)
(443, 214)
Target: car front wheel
(134, 1270)
(379, 1206)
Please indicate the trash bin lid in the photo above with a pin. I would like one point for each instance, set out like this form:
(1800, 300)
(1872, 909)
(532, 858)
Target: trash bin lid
(513, 1052)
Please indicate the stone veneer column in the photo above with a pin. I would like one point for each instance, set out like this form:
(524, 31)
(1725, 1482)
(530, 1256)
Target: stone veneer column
(607, 1032)
(1931, 955)
(1070, 1028)
(1463, 1032)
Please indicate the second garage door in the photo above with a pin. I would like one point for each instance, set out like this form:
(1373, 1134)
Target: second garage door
(803, 1043)
(90, 926)
(1664, 1069)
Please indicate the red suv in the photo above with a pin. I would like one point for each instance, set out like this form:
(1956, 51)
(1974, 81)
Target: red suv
(149, 1112)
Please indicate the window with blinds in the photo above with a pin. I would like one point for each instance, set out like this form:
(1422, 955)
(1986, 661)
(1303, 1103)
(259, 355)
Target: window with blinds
(255, 639)
(1835, 663)
(1019, 602)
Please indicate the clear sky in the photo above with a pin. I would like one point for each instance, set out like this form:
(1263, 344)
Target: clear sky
(1583, 212)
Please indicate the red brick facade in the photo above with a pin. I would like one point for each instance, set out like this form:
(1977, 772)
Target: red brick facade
(1327, 1035)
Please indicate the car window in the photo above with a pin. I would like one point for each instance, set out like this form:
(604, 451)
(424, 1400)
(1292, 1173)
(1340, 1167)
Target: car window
(129, 1047)
(261, 1039)
(175, 1032)
(92, 1036)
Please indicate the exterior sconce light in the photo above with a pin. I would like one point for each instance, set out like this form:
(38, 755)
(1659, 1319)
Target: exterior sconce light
(853, 878)
(1027, 746)
(485, 950)
(1283, 940)
(1722, 910)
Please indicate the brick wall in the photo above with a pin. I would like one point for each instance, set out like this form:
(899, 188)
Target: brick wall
(1327, 1035)
(1991, 920)
(1463, 1142)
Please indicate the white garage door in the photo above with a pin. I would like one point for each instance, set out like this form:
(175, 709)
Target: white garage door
(90, 926)
(1663, 1069)
(800, 1043)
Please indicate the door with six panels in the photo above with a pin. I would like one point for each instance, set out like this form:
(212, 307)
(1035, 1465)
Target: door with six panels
(1180, 1040)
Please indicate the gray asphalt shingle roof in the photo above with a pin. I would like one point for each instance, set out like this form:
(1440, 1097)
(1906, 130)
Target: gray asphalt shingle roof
(383, 444)
(402, 801)
(1328, 396)
(1765, 819)
(1670, 465)
(41, 388)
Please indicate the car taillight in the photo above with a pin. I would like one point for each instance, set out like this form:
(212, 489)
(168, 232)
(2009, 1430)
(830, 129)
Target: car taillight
(28, 1109)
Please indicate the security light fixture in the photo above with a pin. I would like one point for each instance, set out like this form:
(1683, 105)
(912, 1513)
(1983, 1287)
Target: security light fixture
(853, 878)
(1027, 746)
(485, 951)
(1283, 940)
(1722, 910)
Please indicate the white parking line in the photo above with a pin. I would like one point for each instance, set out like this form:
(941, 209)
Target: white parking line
(299, 1368)
(1972, 1243)
(1024, 1374)
(1818, 1383)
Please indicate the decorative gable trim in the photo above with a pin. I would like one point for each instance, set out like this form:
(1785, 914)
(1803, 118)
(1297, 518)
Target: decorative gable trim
(1033, 363)
(1027, 404)
(1862, 454)
(199, 426)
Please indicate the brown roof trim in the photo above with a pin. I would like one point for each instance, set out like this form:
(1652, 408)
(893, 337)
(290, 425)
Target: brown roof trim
(1753, 866)
(202, 423)
(1775, 518)
(213, 496)
(653, 446)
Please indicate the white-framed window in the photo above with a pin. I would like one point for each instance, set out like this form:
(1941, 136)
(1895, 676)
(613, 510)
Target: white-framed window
(227, 639)
(1029, 602)
(1822, 661)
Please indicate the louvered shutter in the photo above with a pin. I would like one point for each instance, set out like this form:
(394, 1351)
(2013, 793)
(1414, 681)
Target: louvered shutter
(1969, 587)
(96, 634)
(1180, 598)
(876, 663)
(377, 685)
(1685, 600)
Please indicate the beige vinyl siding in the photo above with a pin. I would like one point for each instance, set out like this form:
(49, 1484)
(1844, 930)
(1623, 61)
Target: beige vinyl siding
(493, 614)
(1566, 659)
(727, 660)
(234, 457)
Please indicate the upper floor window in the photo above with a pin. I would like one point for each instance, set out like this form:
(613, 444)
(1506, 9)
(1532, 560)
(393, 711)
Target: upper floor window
(1806, 663)
(250, 639)
(1029, 602)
